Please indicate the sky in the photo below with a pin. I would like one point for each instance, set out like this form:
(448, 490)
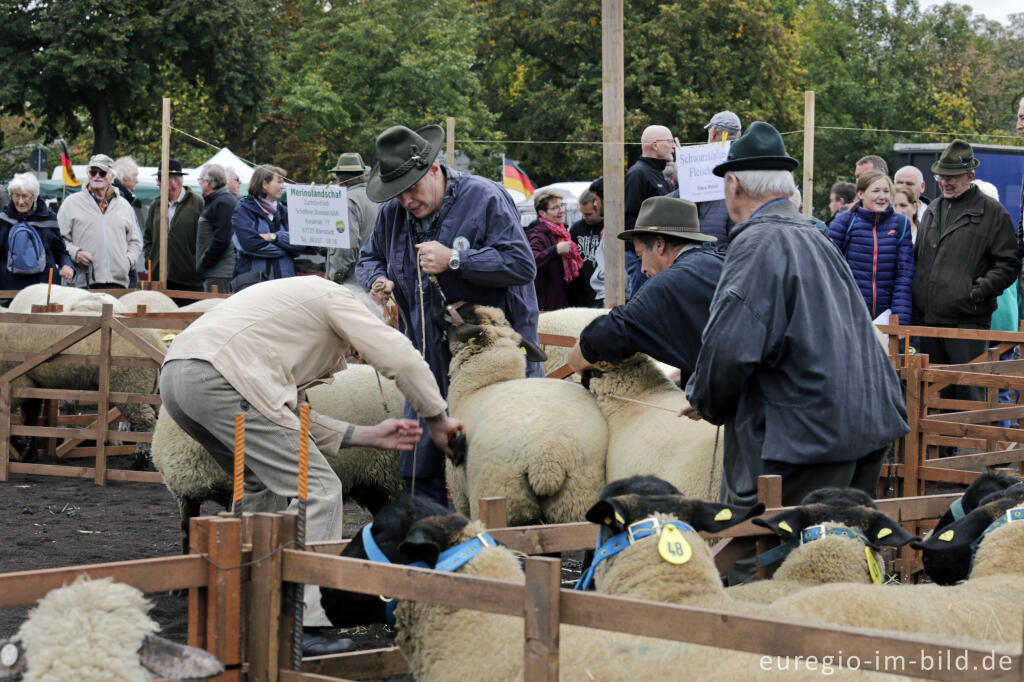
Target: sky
(992, 9)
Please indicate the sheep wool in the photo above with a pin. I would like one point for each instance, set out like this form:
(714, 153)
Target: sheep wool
(155, 302)
(564, 322)
(646, 440)
(540, 443)
(77, 301)
(89, 630)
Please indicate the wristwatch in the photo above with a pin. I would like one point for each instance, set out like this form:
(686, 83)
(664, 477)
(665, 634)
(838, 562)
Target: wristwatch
(453, 261)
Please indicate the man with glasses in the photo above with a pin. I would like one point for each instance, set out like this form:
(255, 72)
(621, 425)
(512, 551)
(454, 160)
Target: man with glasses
(98, 225)
(967, 255)
(442, 236)
(645, 179)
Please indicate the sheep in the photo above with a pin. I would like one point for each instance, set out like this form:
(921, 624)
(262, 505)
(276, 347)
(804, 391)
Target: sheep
(988, 606)
(949, 551)
(442, 643)
(202, 305)
(98, 630)
(368, 475)
(31, 338)
(540, 443)
(646, 440)
(829, 559)
(155, 301)
(77, 301)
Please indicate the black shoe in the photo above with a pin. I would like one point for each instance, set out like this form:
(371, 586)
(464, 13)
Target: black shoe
(318, 644)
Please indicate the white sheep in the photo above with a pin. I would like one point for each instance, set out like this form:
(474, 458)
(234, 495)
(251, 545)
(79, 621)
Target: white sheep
(155, 301)
(202, 305)
(77, 301)
(98, 631)
(540, 443)
(368, 475)
(644, 434)
(441, 643)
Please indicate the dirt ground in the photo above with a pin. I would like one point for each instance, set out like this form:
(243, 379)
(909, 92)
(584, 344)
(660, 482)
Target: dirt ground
(53, 521)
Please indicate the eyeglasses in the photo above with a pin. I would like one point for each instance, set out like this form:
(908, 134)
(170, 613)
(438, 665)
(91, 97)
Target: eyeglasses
(557, 207)
(97, 172)
(950, 178)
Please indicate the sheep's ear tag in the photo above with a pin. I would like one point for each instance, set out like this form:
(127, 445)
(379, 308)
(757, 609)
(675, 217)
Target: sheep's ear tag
(724, 515)
(947, 536)
(884, 533)
(673, 547)
(785, 526)
(618, 517)
(873, 569)
(167, 338)
(9, 655)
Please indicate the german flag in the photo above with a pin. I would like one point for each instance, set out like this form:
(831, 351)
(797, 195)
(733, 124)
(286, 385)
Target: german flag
(513, 177)
(65, 161)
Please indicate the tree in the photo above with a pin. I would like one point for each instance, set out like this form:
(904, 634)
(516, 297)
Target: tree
(109, 61)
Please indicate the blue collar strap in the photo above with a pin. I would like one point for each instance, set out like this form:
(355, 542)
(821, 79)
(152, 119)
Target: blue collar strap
(450, 560)
(957, 508)
(810, 534)
(1015, 514)
(633, 533)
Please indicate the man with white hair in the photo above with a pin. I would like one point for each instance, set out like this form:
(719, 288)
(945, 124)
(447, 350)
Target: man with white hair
(789, 364)
(127, 177)
(215, 255)
(645, 179)
(912, 177)
(234, 183)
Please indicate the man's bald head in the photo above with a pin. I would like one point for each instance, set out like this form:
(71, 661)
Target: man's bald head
(910, 176)
(656, 142)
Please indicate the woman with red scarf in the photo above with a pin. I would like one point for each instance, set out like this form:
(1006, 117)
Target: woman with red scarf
(558, 258)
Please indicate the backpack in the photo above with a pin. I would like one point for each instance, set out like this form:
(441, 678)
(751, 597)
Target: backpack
(25, 252)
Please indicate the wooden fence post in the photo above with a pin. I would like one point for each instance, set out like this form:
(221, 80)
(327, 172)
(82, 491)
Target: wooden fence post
(769, 491)
(103, 399)
(914, 449)
(542, 618)
(494, 512)
(5, 428)
(224, 595)
(199, 543)
(265, 598)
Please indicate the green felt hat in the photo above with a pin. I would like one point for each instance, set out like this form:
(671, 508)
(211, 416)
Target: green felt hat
(761, 148)
(668, 217)
(403, 157)
(956, 159)
(350, 162)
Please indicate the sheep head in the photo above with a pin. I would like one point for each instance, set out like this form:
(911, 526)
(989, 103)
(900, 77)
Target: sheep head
(984, 485)
(616, 514)
(880, 530)
(948, 552)
(472, 329)
(633, 376)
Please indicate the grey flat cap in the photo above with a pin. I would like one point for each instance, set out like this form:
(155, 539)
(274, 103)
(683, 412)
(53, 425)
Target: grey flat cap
(725, 120)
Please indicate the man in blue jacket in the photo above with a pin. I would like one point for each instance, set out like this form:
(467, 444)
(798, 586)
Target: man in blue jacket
(442, 236)
(789, 364)
(666, 317)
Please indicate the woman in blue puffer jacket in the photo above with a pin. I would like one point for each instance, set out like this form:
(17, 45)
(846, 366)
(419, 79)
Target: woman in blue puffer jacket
(876, 242)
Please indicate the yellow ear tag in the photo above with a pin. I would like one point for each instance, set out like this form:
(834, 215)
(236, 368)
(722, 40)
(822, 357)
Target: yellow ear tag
(873, 569)
(471, 339)
(724, 515)
(618, 517)
(884, 533)
(168, 338)
(947, 536)
(673, 547)
(522, 349)
(785, 526)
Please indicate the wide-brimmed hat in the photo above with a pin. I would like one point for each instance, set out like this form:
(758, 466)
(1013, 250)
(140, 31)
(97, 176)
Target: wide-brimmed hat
(173, 168)
(668, 217)
(350, 162)
(956, 159)
(403, 157)
(761, 148)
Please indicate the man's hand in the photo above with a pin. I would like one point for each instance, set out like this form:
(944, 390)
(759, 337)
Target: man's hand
(396, 434)
(577, 361)
(83, 257)
(67, 273)
(441, 429)
(563, 248)
(688, 411)
(433, 257)
(381, 290)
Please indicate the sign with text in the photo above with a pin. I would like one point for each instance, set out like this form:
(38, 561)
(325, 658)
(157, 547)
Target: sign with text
(694, 165)
(318, 215)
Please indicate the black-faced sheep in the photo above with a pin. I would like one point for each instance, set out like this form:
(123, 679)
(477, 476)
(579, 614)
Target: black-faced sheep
(652, 440)
(98, 630)
(368, 476)
(540, 443)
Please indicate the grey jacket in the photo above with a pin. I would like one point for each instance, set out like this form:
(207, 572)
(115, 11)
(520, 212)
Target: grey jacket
(790, 365)
(362, 215)
(215, 256)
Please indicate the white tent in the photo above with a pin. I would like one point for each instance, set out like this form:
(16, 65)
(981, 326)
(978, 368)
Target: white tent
(228, 159)
(147, 174)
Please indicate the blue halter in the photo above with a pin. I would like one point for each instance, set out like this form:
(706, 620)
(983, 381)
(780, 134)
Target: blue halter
(957, 508)
(1015, 514)
(810, 534)
(449, 561)
(615, 544)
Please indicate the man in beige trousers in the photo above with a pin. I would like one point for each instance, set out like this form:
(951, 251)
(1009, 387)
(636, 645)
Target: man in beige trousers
(256, 353)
